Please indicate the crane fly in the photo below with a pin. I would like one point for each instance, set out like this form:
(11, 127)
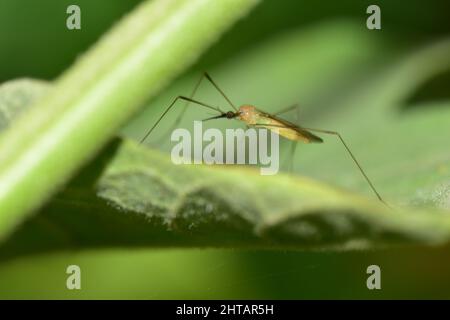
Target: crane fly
(254, 117)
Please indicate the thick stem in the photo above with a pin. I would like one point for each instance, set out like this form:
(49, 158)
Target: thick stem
(90, 101)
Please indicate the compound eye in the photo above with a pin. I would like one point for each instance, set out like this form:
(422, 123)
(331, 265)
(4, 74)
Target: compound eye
(230, 114)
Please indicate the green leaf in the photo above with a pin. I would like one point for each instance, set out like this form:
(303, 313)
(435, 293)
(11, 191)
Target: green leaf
(348, 80)
(339, 74)
(135, 196)
(92, 100)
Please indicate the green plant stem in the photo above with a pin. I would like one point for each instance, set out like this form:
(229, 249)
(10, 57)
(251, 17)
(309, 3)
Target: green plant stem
(90, 101)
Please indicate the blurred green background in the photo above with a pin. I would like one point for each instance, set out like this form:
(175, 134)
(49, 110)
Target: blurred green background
(338, 51)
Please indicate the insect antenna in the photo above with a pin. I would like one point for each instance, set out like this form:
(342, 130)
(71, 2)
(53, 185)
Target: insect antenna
(191, 96)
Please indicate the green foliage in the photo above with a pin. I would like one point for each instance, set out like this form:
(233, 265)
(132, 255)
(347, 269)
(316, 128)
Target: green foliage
(135, 196)
(92, 99)
(364, 84)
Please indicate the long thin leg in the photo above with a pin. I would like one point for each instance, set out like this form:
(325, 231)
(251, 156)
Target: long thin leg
(203, 76)
(191, 96)
(220, 90)
(346, 147)
(290, 160)
(183, 110)
(290, 108)
(352, 156)
(293, 143)
(171, 105)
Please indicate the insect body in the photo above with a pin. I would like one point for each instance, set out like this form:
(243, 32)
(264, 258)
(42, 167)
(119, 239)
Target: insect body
(253, 117)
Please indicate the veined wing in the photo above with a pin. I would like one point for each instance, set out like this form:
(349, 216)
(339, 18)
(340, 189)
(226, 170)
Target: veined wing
(290, 130)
